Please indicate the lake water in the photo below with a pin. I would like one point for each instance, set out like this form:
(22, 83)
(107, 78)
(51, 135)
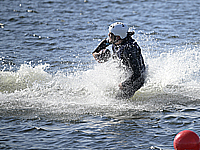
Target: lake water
(54, 95)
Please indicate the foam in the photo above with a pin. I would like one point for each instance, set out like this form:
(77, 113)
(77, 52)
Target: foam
(174, 72)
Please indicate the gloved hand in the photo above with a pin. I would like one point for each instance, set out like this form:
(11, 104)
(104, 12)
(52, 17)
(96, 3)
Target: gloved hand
(102, 56)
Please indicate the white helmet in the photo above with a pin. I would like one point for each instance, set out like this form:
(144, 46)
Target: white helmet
(119, 29)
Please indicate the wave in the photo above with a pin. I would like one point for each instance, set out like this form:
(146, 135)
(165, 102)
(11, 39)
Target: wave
(25, 77)
(176, 72)
(172, 76)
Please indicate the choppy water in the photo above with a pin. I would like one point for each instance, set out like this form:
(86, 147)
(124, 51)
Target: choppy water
(53, 95)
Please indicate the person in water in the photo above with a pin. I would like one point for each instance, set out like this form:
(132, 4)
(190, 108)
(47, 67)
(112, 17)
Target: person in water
(127, 51)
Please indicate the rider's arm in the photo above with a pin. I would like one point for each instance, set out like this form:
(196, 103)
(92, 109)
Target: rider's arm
(101, 54)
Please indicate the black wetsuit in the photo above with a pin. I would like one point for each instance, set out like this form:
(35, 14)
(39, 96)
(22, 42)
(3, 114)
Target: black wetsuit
(129, 53)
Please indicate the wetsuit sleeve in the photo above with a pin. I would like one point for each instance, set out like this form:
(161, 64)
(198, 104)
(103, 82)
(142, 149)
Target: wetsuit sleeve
(102, 45)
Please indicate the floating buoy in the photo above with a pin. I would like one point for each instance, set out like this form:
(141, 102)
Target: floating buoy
(186, 140)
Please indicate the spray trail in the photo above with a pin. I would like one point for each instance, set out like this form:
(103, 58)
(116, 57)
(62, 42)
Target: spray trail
(33, 92)
(175, 72)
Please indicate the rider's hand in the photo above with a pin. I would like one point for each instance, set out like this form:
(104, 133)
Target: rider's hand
(96, 56)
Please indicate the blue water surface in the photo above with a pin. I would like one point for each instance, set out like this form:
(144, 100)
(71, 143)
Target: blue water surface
(54, 95)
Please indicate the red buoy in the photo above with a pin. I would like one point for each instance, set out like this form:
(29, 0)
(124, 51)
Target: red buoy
(186, 140)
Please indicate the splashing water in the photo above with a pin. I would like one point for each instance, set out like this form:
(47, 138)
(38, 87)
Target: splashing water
(176, 72)
(38, 93)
